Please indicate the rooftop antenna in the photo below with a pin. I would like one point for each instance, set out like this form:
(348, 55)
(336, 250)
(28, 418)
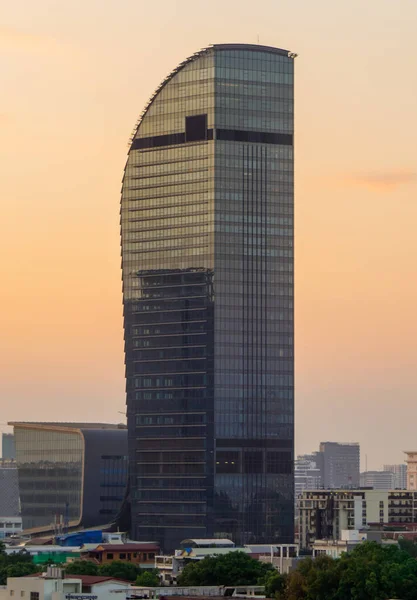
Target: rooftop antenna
(258, 37)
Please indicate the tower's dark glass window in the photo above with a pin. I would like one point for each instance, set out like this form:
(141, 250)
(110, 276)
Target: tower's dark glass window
(195, 128)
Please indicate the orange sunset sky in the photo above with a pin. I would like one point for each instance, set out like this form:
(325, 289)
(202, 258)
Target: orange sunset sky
(75, 76)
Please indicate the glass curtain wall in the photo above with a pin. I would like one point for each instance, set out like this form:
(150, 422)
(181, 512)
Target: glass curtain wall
(207, 259)
(50, 470)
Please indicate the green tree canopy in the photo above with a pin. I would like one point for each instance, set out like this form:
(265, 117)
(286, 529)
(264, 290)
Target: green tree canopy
(81, 567)
(233, 568)
(370, 572)
(408, 546)
(120, 570)
(274, 584)
(17, 564)
(148, 578)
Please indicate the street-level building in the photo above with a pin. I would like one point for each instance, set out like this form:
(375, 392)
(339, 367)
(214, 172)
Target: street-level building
(142, 554)
(350, 539)
(54, 585)
(208, 278)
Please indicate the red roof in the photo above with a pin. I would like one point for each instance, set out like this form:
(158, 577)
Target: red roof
(85, 579)
(128, 547)
(94, 579)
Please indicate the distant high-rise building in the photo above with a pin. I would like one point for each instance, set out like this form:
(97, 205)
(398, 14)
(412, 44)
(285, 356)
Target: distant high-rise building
(8, 450)
(378, 480)
(411, 461)
(9, 489)
(400, 475)
(340, 464)
(72, 473)
(207, 259)
(307, 473)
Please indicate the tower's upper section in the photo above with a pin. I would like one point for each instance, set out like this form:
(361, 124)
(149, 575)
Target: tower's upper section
(218, 61)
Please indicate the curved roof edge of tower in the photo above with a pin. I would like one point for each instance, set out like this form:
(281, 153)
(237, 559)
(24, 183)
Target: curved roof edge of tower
(195, 56)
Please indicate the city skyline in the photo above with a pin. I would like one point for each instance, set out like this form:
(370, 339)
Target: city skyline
(73, 99)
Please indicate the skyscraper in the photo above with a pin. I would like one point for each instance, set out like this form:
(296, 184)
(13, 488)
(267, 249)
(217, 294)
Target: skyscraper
(400, 475)
(207, 260)
(340, 465)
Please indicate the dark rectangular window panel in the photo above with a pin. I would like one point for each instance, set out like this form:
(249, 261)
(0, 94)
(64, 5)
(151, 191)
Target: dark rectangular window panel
(195, 133)
(195, 128)
(258, 137)
(253, 443)
(155, 141)
(169, 139)
(171, 444)
(279, 463)
(253, 462)
(227, 462)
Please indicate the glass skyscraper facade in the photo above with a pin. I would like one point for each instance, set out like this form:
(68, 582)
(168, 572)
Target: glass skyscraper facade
(73, 473)
(207, 259)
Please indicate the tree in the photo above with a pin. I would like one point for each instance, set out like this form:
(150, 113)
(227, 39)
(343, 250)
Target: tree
(120, 570)
(370, 572)
(408, 546)
(17, 564)
(148, 578)
(274, 584)
(233, 568)
(81, 567)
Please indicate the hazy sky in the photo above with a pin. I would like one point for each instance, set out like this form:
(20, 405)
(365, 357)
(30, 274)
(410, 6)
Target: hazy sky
(74, 78)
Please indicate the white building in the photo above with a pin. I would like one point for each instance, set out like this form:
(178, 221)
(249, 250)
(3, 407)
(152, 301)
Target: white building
(10, 526)
(307, 474)
(349, 540)
(52, 586)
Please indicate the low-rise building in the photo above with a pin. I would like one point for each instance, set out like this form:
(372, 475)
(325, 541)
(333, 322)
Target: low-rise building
(323, 514)
(350, 539)
(282, 556)
(140, 553)
(10, 526)
(212, 592)
(53, 586)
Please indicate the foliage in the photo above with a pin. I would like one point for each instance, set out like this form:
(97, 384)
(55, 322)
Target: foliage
(81, 567)
(120, 570)
(148, 578)
(274, 584)
(370, 572)
(233, 568)
(408, 546)
(17, 564)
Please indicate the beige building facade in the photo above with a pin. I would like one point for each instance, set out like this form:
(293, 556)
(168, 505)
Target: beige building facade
(324, 514)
